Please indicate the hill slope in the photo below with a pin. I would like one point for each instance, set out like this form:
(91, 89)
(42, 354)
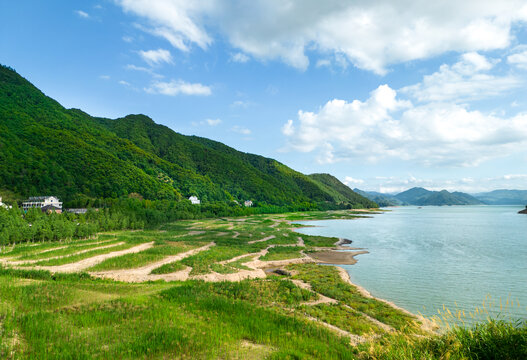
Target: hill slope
(339, 191)
(380, 198)
(47, 149)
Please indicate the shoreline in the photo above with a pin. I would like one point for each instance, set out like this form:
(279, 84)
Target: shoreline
(427, 324)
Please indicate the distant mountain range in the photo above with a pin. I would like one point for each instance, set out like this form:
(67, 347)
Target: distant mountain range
(381, 199)
(422, 197)
(503, 197)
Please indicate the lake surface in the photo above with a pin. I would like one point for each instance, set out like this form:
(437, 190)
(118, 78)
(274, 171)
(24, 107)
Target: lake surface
(422, 258)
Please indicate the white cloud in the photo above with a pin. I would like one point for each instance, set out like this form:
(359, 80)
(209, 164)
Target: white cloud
(155, 57)
(178, 87)
(104, 77)
(128, 39)
(385, 127)
(351, 181)
(323, 63)
(213, 122)
(288, 129)
(143, 69)
(518, 59)
(125, 83)
(242, 104)
(174, 20)
(241, 130)
(239, 57)
(372, 35)
(467, 79)
(82, 14)
(209, 122)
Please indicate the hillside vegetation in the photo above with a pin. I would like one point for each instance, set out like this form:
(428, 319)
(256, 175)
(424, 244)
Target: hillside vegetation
(47, 149)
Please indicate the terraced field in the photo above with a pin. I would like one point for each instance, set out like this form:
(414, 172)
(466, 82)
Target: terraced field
(247, 285)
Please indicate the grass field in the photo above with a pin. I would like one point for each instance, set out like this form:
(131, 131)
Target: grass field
(307, 312)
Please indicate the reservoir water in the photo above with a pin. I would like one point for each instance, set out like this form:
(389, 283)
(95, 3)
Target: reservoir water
(424, 258)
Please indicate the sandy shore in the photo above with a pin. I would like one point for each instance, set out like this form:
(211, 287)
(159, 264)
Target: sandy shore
(427, 325)
(336, 257)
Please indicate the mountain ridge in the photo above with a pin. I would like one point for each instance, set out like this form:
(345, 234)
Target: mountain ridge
(46, 148)
(421, 197)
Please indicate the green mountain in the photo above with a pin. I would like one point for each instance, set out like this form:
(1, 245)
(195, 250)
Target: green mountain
(340, 192)
(47, 149)
(422, 197)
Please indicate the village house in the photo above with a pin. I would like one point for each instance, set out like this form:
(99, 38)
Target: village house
(194, 200)
(46, 203)
(5, 206)
(248, 203)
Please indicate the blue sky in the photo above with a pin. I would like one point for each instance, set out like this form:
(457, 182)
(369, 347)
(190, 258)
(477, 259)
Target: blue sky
(384, 95)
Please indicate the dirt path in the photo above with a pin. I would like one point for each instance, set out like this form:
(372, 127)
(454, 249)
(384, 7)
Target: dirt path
(262, 240)
(354, 339)
(89, 262)
(144, 273)
(21, 262)
(321, 298)
(380, 324)
(300, 242)
(236, 234)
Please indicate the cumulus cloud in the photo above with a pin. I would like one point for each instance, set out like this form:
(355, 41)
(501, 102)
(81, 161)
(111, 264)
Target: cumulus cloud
(155, 57)
(372, 35)
(384, 126)
(468, 79)
(519, 59)
(178, 87)
(175, 20)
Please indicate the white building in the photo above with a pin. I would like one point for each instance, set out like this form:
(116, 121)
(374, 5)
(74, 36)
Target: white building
(248, 203)
(5, 206)
(42, 201)
(194, 200)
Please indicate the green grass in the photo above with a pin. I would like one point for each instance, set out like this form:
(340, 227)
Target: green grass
(238, 264)
(64, 316)
(320, 241)
(86, 255)
(142, 258)
(326, 280)
(71, 249)
(494, 339)
(201, 262)
(27, 249)
(193, 320)
(342, 317)
(169, 268)
(283, 253)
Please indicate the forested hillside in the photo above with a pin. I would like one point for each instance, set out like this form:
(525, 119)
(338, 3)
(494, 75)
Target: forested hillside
(47, 149)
